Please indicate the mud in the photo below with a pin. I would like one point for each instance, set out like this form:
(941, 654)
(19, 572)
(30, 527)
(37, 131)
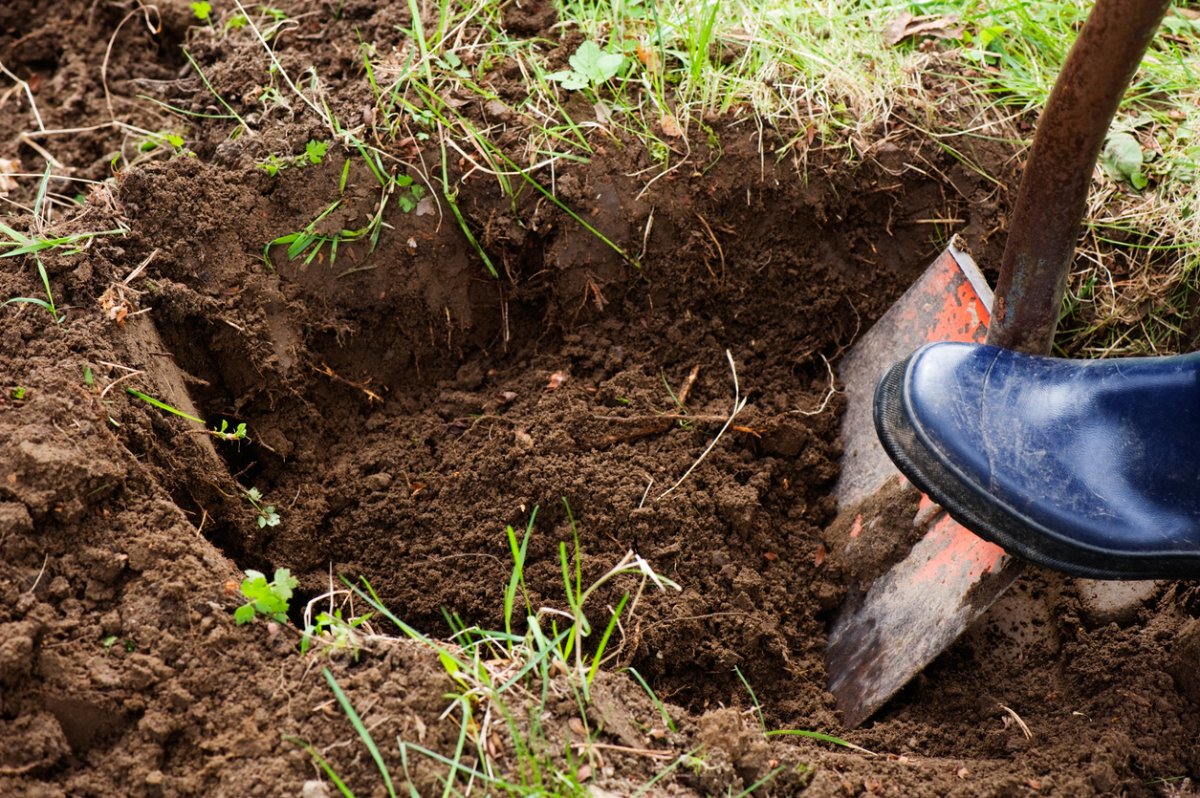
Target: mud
(404, 407)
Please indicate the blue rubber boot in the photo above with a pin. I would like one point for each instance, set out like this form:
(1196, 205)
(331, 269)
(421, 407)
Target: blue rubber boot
(1091, 467)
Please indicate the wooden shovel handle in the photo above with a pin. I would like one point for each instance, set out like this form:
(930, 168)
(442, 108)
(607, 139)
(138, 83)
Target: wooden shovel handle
(1050, 204)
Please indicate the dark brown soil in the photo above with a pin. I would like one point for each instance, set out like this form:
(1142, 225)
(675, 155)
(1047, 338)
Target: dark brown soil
(405, 407)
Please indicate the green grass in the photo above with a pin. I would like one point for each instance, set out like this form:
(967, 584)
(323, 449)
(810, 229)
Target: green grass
(648, 75)
(502, 683)
(14, 243)
(818, 73)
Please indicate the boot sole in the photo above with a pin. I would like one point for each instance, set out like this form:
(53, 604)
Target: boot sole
(994, 521)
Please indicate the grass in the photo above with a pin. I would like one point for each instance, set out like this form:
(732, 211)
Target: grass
(507, 688)
(14, 243)
(505, 682)
(818, 74)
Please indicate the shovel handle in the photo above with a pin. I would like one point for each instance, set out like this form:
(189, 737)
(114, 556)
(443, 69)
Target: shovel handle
(1051, 201)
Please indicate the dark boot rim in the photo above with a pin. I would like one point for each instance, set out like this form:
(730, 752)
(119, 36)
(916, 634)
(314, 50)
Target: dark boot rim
(993, 520)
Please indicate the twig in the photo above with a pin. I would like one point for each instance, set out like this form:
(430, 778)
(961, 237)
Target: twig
(154, 29)
(717, 244)
(110, 386)
(828, 394)
(140, 267)
(28, 94)
(1013, 714)
(649, 752)
(646, 234)
(33, 587)
(644, 426)
(645, 493)
(739, 404)
(39, 149)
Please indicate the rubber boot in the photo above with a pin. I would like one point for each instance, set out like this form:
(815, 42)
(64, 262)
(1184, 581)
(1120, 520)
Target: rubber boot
(1091, 467)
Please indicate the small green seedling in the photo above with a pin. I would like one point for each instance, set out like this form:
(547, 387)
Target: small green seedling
(266, 513)
(18, 394)
(314, 153)
(108, 642)
(202, 10)
(590, 67)
(273, 164)
(335, 631)
(222, 433)
(155, 140)
(266, 598)
(410, 194)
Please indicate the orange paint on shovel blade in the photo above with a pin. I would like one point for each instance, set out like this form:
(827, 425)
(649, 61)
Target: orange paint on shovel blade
(959, 555)
(950, 309)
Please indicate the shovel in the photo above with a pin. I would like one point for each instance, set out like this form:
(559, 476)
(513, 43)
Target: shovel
(915, 610)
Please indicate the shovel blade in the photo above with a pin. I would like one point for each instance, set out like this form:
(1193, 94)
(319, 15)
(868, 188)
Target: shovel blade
(950, 301)
(911, 614)
(914, 611)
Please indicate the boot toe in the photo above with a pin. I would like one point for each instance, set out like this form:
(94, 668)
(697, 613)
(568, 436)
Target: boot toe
(1082, 466)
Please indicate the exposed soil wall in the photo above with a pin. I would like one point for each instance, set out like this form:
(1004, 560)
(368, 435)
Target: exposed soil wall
(404, 407)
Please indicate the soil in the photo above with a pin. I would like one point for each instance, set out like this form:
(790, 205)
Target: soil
(404, 407)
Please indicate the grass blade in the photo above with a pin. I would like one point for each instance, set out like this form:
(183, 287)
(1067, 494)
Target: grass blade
(320, 760)
(163, 405)
(359, 727)
(821, 737)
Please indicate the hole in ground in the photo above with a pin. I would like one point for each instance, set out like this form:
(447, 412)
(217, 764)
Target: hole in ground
(397, 446)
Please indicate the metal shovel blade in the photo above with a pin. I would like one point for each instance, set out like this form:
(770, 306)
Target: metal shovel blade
(919, 607)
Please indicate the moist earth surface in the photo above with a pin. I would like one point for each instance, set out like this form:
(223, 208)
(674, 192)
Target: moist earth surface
(404, 406)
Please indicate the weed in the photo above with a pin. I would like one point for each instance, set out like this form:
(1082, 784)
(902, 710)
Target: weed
(336, 633)
(15, 243)
(153, 141)
(202, 11)
(590, 68)
(222, 433)
(309, 243)
(314, 153)
(1122, 159)
(214, 92)
(269, 599)
(18, 394)
(266, 513)
(363, 733)
(503, 680)
(111, 640)
(819, 736)
(304, 240)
